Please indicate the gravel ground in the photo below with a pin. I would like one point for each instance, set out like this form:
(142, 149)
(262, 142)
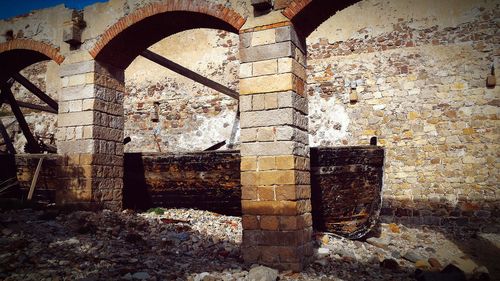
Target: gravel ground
(185, 244)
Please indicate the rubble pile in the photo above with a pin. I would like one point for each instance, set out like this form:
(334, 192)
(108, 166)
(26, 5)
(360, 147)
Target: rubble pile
(186, 244)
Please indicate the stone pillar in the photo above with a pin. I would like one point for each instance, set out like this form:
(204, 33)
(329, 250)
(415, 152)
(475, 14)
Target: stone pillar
(275, 177)
(90, 132)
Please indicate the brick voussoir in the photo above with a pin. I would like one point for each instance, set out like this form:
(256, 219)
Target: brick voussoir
(218, 11)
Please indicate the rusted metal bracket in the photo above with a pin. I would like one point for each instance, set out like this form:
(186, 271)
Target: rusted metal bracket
(189, 73)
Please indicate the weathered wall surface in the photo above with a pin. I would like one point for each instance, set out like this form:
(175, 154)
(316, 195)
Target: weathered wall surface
(41, 25)
(419, 70)
(192, 117)
(203, 180)
(346, 185)
(45, 76)
(56, 173)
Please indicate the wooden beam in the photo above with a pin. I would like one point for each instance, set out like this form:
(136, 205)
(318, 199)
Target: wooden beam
(32, 144)
(35, 90)
(35, 178)
(35, 106)
(189, 73)
(6, 137)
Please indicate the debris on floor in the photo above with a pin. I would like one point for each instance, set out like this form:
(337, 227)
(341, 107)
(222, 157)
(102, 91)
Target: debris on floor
(186, 244)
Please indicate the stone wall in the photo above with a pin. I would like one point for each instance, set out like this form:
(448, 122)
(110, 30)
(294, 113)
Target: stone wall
(191, 117)
(411, 73)
(418, 69)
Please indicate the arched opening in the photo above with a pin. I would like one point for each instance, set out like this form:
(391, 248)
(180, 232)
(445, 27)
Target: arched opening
(171, 113)
(307, 15)
(28, 105)
(120, 45)
(168, 114)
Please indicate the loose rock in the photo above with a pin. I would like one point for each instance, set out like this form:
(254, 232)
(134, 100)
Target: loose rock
(262, 273)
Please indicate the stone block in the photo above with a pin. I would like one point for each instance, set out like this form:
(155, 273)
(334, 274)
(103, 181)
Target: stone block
(269, 148)
(286, 192)
(279, 177)
(291, 65)
(258, 102)
(250, 222)
(271, 101)
(245, 103)
(267, 118)
(79, 132)
(266, 193)
(285, 162)
(269, 222)
(290, 254)
(77, 68)
(77, 93)
(288, 33)
(110, 71)
(266, 134)
(248, 134)
(79, 79)
(76, 118)
(263, 37)
(246, 70)
(265, 67)
(76, 146)
(88, 104)
(245, 39)
(251, 254)
(304, 220)
(248, 178)
(292, 99)
(63, 107)
(269, 208)
(289, 222)
(249, 192)
(266, 163)
(267, 84)
(266, 52)
(248, 163)
(75, 106)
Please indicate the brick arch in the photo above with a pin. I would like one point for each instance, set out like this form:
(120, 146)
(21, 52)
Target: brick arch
(20, 53)
(186, 14)
(307, 15)
(32, 45)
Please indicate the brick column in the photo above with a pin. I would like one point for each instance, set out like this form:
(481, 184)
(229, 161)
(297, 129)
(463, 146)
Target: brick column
(90, 133)
(275, 178)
